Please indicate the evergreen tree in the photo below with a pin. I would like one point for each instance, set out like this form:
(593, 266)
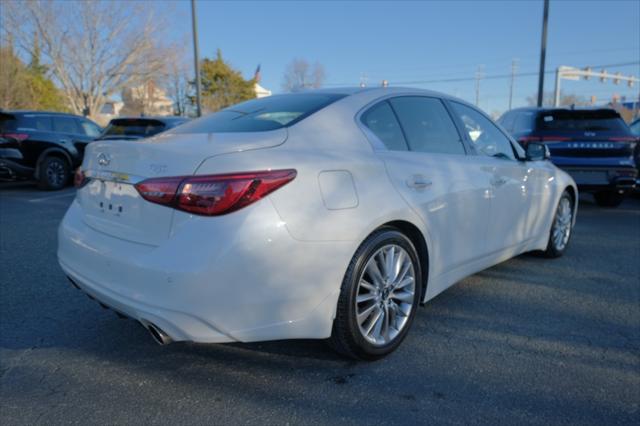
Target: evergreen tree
(223, 86)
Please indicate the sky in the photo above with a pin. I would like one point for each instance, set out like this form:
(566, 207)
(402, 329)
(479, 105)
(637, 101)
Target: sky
(416, 43)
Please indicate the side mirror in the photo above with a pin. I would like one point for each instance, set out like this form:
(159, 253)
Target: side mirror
(537, 152)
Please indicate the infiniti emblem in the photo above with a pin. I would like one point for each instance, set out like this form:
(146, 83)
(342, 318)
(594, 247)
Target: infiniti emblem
(104, 159)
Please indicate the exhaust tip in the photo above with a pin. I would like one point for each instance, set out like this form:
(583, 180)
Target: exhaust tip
(158, 335)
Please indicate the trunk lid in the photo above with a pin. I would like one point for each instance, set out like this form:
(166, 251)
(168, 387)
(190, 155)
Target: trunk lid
(110, 202)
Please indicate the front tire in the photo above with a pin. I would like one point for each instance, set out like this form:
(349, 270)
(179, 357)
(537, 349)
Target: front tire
(608, 198)
(54, 173)
(561, 228)
(379, 296)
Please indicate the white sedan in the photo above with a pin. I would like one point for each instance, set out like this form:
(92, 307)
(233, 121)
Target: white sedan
(324, 214)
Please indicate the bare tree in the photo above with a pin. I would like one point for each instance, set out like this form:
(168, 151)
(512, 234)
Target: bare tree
(177, 81)
(93, 48)
(565, 99)
(300, 75)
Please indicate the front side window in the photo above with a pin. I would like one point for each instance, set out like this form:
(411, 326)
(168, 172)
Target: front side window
(483, 134)
(427, 125)
(381, 120)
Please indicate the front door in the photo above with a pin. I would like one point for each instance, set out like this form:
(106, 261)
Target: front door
(513, 182)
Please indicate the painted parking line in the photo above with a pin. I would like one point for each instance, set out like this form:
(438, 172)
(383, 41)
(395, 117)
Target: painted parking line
(53, 197)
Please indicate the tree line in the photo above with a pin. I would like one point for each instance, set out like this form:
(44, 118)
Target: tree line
(82, 54)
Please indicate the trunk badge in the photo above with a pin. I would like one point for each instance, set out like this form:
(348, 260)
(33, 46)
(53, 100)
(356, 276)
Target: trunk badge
(104, 159)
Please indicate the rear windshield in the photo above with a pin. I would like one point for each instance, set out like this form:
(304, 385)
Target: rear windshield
(134, 127)
(259, 115)
(582, 121)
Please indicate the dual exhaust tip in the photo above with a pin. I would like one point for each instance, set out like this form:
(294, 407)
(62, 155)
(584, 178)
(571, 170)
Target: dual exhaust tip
(156, 332)
(158, 335)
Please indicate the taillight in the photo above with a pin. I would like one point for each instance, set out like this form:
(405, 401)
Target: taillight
(79, 178)
(524, 140)
(555, 138)
(17, 136)
(213, 195)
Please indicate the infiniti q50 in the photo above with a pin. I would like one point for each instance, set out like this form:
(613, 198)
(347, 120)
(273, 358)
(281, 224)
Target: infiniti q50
(328, 214)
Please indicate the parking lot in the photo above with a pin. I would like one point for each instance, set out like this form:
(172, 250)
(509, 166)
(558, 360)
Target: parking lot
(530, 341)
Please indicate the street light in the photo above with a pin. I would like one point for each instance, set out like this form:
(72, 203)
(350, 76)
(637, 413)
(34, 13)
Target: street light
(195, 56)
(543, 52)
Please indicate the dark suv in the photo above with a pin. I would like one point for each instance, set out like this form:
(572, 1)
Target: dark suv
(595, 146)
(46, 146)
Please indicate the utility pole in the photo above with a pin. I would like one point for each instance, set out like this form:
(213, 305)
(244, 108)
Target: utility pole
(514, 68)
(543, 52)
(479, 76)
(196, 58)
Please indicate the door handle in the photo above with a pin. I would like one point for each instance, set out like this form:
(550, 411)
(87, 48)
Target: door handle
(418, 182)
(498, 181)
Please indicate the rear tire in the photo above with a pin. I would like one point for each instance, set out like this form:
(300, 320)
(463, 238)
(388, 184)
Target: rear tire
(608, 198)
(54, 173)
(379, 296)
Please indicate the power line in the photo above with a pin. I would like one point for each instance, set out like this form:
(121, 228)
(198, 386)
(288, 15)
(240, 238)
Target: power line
(494, 62)
(487, 77)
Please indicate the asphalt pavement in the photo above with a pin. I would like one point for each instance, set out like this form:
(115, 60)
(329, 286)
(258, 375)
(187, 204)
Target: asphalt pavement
(530, 341)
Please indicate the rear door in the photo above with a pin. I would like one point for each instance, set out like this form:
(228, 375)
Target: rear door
(427, 162)
(515, 186)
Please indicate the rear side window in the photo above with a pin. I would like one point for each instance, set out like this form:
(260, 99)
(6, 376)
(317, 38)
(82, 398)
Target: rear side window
(134, 127)
(7, 122)
(40, 123)
(259, 115)
(582, 121)
(65, 125)
(427, 125)
(381, 120)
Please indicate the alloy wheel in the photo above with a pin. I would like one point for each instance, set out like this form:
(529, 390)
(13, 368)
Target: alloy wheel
(562, 224)
(385, 294)
(55, 173)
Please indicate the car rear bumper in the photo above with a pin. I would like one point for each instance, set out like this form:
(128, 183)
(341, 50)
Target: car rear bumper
(10, 165)
(603, 178)
(240, 277)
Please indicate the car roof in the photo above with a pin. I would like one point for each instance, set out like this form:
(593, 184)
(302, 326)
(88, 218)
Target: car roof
(562, 108)
(152, 118)
(33, 112)
(353, 90)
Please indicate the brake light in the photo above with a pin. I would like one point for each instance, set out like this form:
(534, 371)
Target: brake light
(213, 195)
(79, 178)
(555, 138)
(17, 136)
(524, 140)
